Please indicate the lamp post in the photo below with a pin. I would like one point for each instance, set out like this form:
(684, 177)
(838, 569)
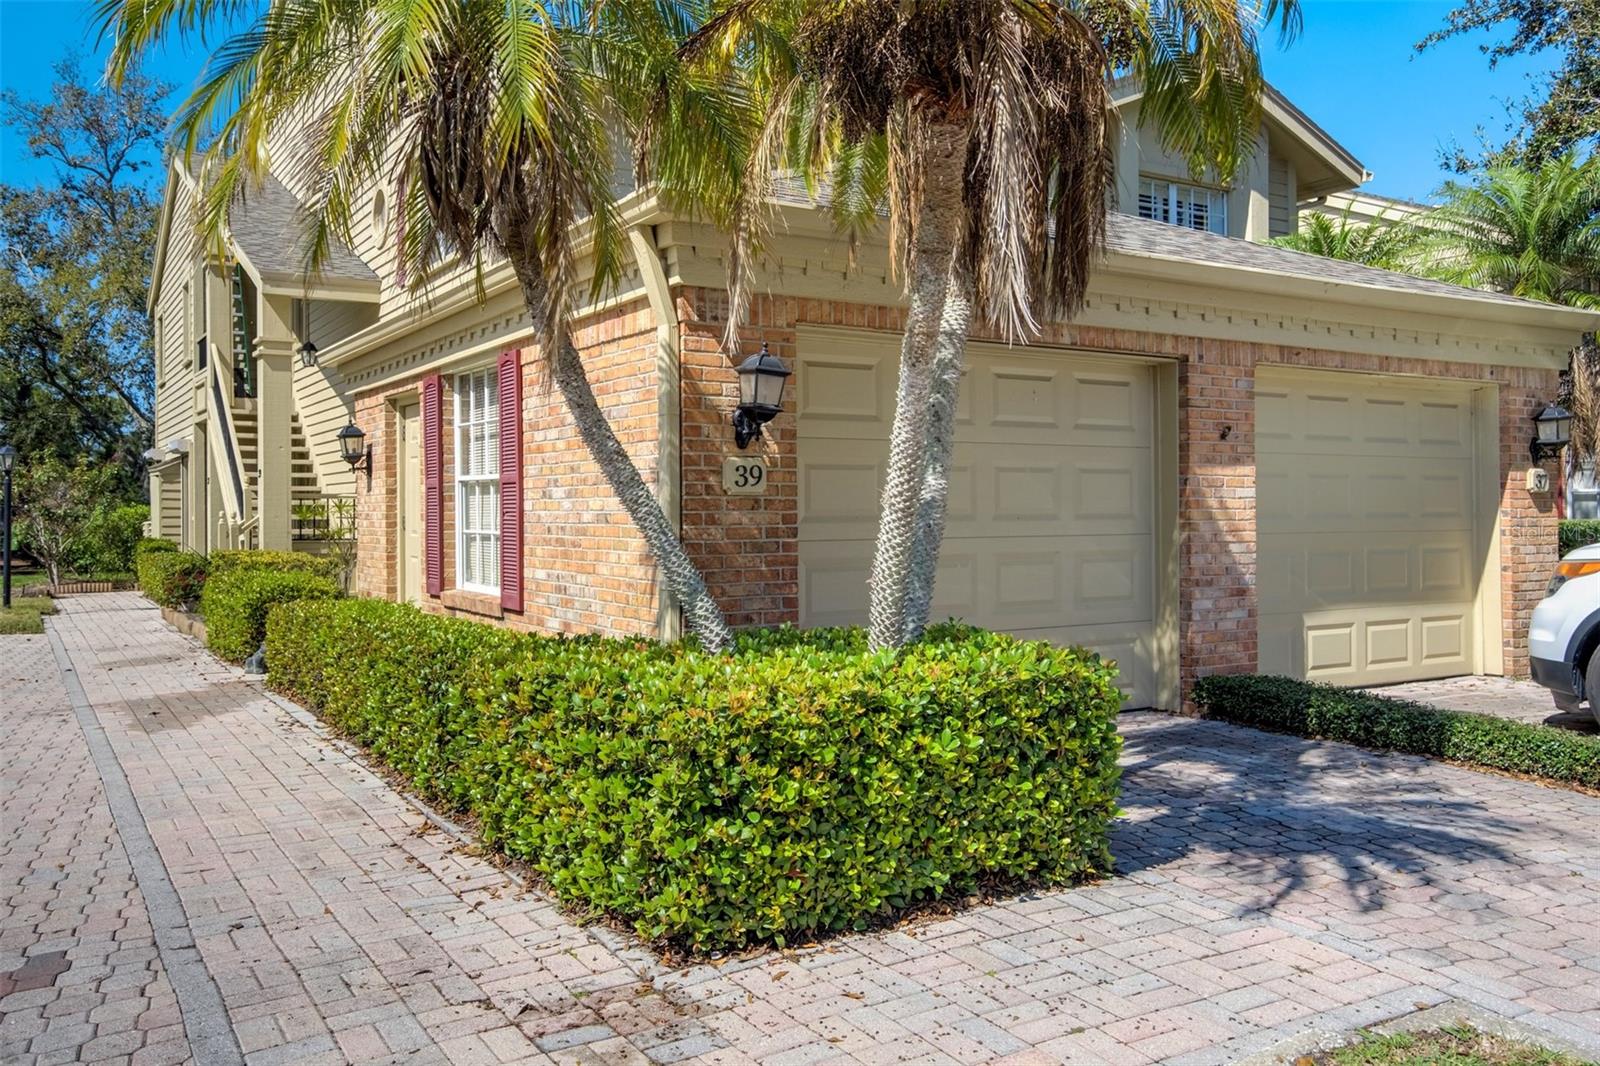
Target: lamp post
(8, 460)
(761, 381)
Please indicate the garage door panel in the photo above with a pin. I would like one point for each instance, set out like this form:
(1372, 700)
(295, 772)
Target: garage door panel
(994, 491)
(1400, 419)
(1052, 498)
(1367, 646)
(1365, 529)
(1315, 571)
(1355, 494)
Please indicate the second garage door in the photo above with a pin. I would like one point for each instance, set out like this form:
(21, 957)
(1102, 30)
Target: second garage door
(1052, 497)
(1368, 547)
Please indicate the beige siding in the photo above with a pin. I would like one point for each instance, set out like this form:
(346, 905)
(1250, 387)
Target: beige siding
(175, 346)
(1281, 192)
(169, 521)
(319, 394)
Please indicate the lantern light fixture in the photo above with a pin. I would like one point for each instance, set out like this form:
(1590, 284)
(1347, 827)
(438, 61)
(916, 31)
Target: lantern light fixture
(307, 353)
(762, 378)
(1552, 431)
(355, 450)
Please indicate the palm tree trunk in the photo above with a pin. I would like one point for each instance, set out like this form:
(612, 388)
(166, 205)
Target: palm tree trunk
(943, 154)
(949, 358)
(700, 612)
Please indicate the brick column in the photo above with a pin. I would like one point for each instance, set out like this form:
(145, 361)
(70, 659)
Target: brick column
(1528, 523)
(1216, 512)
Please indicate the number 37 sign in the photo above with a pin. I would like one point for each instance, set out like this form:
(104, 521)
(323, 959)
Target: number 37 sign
(744, 475)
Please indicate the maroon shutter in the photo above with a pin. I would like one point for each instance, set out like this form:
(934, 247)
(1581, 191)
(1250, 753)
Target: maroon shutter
(510, 408)
(432, 484)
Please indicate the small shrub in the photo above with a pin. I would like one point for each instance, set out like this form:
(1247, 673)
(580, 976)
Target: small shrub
(235, 602)
(798, 786)
(172, 578)
(1283, 705)
(151, 544)
(1576, 532)
(109, 540)
(223, 562)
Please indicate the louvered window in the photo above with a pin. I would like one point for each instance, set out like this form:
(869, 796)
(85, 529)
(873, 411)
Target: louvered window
(478, 482)
(1191, 206)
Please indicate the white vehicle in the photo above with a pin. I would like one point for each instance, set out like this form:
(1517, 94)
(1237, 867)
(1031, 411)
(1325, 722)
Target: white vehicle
(1564, 635)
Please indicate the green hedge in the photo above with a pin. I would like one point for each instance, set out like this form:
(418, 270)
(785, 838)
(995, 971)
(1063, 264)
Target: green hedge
(110, 540)
(223, 562)
(1283, 705)
(797, 786)
(235, 604)
(1576, 532)
(171, 578)
(145, 545)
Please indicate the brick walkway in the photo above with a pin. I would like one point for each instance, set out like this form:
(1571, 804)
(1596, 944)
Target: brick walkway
(1270, 887)
(1503, 697)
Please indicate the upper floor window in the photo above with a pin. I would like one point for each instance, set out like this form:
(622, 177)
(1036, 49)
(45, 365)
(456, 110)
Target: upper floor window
(477, 481)
(1191, 206)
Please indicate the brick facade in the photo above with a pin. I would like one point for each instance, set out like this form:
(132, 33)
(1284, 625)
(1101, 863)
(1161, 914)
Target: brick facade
(587, 570)
(585, 567)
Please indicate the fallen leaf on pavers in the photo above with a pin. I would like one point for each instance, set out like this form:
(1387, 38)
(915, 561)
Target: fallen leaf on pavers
(1305, 1060)
(856, 995)
(780, 975)
(1422, 1006)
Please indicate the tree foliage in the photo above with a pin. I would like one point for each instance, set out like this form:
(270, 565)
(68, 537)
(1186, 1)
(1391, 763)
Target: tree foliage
(1565, 113)
(76, 373)
(1389, 244)
(56, 504)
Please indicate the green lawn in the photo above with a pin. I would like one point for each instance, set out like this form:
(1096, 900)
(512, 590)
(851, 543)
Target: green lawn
(1451, 1046)
(26, 614)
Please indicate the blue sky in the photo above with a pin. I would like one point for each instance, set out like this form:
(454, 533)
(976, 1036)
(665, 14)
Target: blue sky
(1354, 70)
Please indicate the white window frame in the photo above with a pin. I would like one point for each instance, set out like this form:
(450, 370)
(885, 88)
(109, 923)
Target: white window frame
(1177, 200)
(486, 420)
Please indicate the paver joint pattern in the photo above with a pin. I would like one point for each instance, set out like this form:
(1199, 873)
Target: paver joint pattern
(1267, 886)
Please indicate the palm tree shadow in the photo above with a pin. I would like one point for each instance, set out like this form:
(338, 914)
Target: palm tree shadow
(1262, 818)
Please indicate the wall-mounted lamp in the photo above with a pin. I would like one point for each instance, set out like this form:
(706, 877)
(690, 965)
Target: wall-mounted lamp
(355, 450)
(761, 381)
(1552, 431)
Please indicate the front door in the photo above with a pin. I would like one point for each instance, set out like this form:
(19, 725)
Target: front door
(410, 505)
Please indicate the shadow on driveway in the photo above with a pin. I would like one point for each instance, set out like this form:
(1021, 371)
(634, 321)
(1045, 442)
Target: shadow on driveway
(1278, 815)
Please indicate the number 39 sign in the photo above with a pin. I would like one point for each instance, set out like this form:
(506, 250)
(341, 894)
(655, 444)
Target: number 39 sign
(744, 475)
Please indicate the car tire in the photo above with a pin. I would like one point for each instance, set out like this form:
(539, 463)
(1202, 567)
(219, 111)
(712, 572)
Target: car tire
(1591, 683)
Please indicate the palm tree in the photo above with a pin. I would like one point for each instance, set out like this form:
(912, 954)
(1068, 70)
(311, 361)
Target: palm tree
(1389, 244)
(1525, 231)
(494, 121)
(1534, 232)
(985, 123)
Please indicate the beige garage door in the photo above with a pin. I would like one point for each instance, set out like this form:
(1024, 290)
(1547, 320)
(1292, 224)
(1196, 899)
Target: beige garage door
(1365, 504)
(1050, 534)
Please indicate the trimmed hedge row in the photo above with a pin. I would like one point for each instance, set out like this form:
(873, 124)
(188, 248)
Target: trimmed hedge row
(223, 562)
(235, 602)
(797, 786)
(1576, 532)
(170, 578)
(1284, 705)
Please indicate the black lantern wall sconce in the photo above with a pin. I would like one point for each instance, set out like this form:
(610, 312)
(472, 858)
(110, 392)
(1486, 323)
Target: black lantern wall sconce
(355, 450)
(762, 378)
(1552, 432)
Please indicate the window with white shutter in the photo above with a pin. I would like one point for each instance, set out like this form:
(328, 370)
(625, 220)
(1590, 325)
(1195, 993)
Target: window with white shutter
(1190, 206)
(478, 481)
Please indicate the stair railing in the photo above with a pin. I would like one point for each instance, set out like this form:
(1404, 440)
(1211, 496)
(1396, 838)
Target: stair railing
(224, 438)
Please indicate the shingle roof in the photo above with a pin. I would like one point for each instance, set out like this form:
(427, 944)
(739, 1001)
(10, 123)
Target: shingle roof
(1143, 237)
(1146, 237)
(267, 224)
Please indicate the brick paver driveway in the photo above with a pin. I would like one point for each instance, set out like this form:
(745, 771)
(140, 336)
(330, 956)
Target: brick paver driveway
(303, 912)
